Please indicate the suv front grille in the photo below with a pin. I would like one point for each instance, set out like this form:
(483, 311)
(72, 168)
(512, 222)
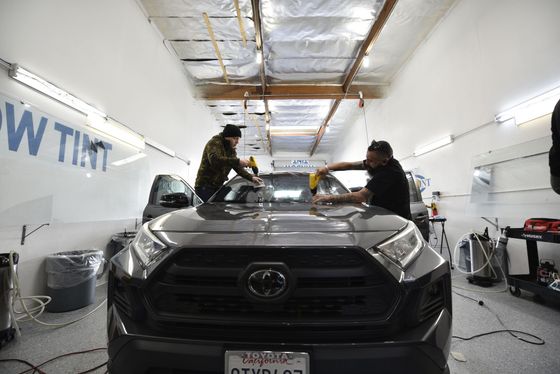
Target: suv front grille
(333, 284)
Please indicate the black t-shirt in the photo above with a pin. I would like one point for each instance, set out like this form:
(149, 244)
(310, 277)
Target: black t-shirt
(390, 188)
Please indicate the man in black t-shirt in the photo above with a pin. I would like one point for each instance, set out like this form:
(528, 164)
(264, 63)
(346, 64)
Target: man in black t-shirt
(387, 188)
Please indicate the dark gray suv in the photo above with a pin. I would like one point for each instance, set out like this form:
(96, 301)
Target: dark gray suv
(260, 280)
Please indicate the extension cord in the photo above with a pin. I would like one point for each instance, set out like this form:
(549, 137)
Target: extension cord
(16, 293)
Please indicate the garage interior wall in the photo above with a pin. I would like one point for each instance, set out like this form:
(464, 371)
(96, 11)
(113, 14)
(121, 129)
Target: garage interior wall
(107, 54)
(483, 57)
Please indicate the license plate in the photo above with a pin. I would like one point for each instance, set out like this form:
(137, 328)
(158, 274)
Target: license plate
(266, 362)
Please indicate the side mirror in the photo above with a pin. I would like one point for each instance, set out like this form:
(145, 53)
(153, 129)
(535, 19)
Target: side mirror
(175, 200)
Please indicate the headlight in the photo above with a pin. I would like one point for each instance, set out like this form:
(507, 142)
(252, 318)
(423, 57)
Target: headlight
(147, 246)
(403, 247)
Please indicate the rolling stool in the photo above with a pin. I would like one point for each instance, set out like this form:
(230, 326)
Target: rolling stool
(442, 220)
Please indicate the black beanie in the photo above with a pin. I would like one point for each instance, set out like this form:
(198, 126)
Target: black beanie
(231, 131)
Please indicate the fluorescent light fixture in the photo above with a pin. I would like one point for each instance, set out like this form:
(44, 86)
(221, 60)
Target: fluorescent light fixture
(49, 89)
(529, 110)
(433, 146)
(128, 160)
(293, 130)
(160, 147)
(365, 62)
(112, 128)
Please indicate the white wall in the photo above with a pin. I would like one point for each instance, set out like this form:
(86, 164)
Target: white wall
(106, 53)
(484, 57)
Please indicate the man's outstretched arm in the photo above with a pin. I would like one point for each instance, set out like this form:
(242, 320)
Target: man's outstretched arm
(360, 196)
(340, 166)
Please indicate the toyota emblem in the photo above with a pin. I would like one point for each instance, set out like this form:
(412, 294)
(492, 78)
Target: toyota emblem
(267, 283)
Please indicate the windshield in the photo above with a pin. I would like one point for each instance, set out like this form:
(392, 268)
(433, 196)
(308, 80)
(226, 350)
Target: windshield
(285, 187)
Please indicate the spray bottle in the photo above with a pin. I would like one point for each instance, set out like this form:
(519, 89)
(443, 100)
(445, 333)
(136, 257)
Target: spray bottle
(253, 165)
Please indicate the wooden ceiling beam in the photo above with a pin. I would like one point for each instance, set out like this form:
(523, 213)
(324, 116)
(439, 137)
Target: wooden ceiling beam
(364, 51)
(369, 41)
(323, 127)
(259, 42)
(288, 92)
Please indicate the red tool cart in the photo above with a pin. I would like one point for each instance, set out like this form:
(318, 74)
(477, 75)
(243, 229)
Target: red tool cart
(540, 270)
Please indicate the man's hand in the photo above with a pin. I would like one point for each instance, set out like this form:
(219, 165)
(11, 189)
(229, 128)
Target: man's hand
(321, 198)
(322, 171)
(257, 180)
(243, 163)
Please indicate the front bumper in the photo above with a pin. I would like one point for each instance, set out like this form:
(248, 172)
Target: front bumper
(423, 349)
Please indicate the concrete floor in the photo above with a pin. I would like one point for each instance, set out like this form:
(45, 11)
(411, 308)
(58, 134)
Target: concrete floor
(497, 353)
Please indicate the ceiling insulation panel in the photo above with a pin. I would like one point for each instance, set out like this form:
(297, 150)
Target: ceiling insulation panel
(305, 42)
(210, 71)
(190, 8)
(204, 50)
(409, 24)
(194, 28)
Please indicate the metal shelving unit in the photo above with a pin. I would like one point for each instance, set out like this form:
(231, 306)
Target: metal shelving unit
(529, 282)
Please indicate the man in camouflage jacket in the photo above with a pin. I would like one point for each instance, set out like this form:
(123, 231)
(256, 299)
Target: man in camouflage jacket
(218, 158)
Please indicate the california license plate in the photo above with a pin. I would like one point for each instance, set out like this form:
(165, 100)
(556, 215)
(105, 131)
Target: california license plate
(266, 362)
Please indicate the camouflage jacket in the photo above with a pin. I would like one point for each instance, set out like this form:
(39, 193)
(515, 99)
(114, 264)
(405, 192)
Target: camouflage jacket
(218, 158)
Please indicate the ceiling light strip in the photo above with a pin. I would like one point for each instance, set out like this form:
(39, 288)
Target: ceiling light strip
(433, 146)
(34, 81)
(95, 118)
(274, 133)
(240, 21)
(115, 129)
(531, 109)
(160, 147)
(129, 160)
(216, 49)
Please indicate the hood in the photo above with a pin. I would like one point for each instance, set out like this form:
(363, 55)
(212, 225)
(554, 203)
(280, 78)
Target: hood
(279, 218)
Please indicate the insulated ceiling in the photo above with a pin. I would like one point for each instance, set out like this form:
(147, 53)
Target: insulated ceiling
(303, 92)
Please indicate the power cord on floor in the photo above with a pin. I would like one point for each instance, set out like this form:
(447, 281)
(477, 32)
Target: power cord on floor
(35, 368)
(539, 341)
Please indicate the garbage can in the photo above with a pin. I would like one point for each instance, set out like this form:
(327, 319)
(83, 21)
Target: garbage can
(119, 241)
(71, 279)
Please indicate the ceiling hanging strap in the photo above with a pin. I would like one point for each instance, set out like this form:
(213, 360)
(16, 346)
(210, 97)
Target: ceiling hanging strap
(361, 105)
(245, 101)
(216, 49)
(240, 21)
(361, 101)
